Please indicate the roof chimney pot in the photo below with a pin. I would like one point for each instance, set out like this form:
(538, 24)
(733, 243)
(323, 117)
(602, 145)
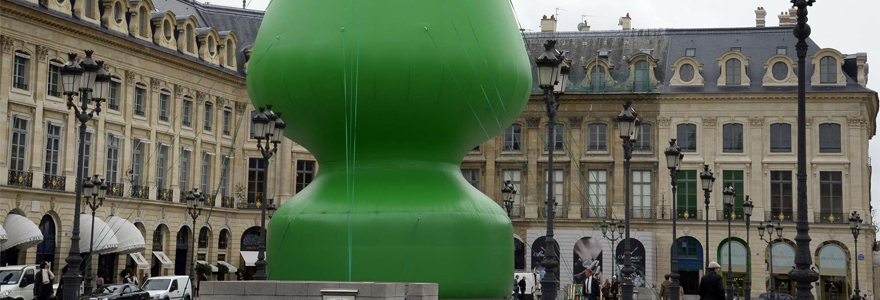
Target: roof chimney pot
(583, 26)
(548, 25)
(626, 22)
(760, 17)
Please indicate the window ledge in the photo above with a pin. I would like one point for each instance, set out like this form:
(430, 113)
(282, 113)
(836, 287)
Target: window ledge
(556, 158)
(650, 159)
(21, 91)
(474, 159)
(733, 159)
(597, 159)
(780, 160)
(829, 160)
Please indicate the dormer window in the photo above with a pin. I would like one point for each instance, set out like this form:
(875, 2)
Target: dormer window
(230, 53)
(190, 39)
(780, 71)
(642, 81)
(782, 50)
(597, 78)
(143, 25)
(733, 72)
(690, 52)
(212, 49)
(733, 66)
(118, 14)
(166, 26)
(686, 71)
(90, 9)
(828, 70)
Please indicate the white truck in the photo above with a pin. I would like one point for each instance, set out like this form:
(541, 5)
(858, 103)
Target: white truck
(17, 282)
(169, 288)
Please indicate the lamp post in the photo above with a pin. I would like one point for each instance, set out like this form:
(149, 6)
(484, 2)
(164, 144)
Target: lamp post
(508, 191)
(673, 161)
(79, 79)
(855, 224)
(802, 275)
(628, 123)
(268, 126)
(612, 231)
(748, 206)
(195, 201)
(729, 196)
(95, 191)
(770, 241)
(708, 180)
(549, 63)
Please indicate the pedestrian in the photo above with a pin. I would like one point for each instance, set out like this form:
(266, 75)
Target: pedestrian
(516, 286)
(100, 281)
(591, 286)
(606, 289)
(680, 291)
(146, 276)
(59, 293)
(615, 287)
(43, 281)
(239, 276)
(664, 288)
(522, 288)
(711, 287)
(536, 290)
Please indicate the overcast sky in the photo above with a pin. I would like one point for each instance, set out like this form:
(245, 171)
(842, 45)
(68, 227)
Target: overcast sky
(846, 25)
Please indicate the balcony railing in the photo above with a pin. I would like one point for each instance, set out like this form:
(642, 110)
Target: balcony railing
(781, 214)
(209, 200)
(642, 212)
(20, 178)
(830, 217)
(738, 214)
(164, 195)
(595, 211)
(689, 213)
(559, 211)
(250, 205)
(54, 182)
(227, 202)
(140, 192)
(115, 189)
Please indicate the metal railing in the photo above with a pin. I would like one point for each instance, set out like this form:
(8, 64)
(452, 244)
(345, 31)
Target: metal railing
(689, 213)
(738, 214)
(165, 195)
(21, 178)
(250, 205)
(782, 214)
(227, 202)
(642, 212)
(559, 211)
(140, 192)
(115, 189)
(595, 211)
(54, 182)
(830, 217)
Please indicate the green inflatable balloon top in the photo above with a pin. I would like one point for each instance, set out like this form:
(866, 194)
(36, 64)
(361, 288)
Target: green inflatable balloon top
(391, 79)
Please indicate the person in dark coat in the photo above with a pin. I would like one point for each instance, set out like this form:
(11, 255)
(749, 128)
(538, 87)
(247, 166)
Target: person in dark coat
(711, 286)
(43, 281)
(522, 287)
(592, 286)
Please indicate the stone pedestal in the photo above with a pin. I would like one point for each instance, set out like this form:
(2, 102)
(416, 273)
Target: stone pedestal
(315, 290)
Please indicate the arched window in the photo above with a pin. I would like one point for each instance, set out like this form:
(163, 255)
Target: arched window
(158, 239)
(829, 138)
(828, 70)
(167, 28)
(642, 80)
(211, 47)
(644, 141)
(733, 71)
(223, 242)
(190, 39)
(559, 141)
(597, 137)
(733, 138)
(21, 70)
(142, 21)
(597, 79)
(250, 240)
(230, 53)
(780, 137)
(90, 9)
(118, 13)
(203, 237)
(687, 137)
(46, 249)
(513, 138)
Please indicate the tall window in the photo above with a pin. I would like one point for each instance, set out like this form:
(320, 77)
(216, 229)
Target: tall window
(203, 238)
(137, 161)
(230, 53)
(227, 119)
(733, 71)
(140, 98)
(20, 70)
(643, 144)
(111, 172)
(53, 148)
(515, 177)
(780, 137)
(643, 78)
(641, 191)
(224, 174)
(211, 48)
(472, 176)
(829, 138)
(113, 100)
(597, 79)
(560, 135)
(161, 166)
(513, 138)
(597, 192)
(90, 9)
(206, 172)
(598, 140)
(735, 178)
(143, 15)
(54, 84)
(166, 27)
(223, 241)
(733, 138)
(190, 39)
(305, 172)
(251, 121)
(558, 188)
(157, 239)
(687, 137)
(831, 196)
(187, 111)
(687, 194)
(118, 12)
(18, 152)
(164, 103)
(781, 195)
(209, 115)
(828, 70)
(256, 180)
(184, 169)
(87, 156)
(780, 71)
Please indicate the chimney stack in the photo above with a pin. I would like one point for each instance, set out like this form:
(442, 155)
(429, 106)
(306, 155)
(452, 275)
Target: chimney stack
(548, 25)
(583, 26)
(626, 22)
(760, 17)
(787, 18)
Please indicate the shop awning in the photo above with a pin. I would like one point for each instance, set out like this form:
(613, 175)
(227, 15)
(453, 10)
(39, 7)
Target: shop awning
(140, 261)
(104, 241)
(2, 234)
(128, 236)
(163, 259)
(21, 232)
(228, 266)
(250, 258)
(213, 268)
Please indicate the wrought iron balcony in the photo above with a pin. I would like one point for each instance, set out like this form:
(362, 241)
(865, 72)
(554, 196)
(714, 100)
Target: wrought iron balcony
(209, 200)
(689, 213)
(830, 217)
(164, 195)
(559, 211)
(115, 189)
(227, 202)
(782, 214)
(140, 192)
(642, 212)
(54, 182)
(20, 178)
(250, 205)
(595, 211)
(738, 214)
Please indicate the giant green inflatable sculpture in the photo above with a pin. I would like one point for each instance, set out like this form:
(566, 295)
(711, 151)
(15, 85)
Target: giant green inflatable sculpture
(389, 95)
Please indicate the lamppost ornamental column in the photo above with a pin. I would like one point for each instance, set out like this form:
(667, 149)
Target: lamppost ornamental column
(195, 201)
(855, 224)
(729, 197)
(628, 123)
(770, 241)
(268, 126)
(673, 161)
(708, 180)
(95, 191)
(748, 206)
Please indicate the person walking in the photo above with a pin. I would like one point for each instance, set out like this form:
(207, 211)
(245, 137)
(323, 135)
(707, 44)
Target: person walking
(591, 286)
(711, 286)
(43, 282)
(516, 287)
(606, 289)
(99, 282)
(664, 288)
(522, 288)
(536, 290)
(615, 288)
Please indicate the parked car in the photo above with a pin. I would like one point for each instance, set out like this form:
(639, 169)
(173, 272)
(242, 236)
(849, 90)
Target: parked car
(169, 288)
(17, 282)
(120, 292)
(775, 296)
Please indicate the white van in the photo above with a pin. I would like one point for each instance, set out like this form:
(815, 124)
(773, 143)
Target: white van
(169, 288)
(17, 282)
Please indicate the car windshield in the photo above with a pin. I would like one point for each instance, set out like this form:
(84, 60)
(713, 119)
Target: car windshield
(112, 289)
(9, 276)
(156, 284)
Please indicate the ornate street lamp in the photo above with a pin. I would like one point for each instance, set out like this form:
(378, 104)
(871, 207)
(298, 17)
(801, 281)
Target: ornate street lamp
(195, 201)
(95, 191)
(268, 126)
(802, 275)
(78, 79)
(612, 231)
(770, 241)
(673, 161)
(855, 224)
(508, 191)
(708, 180)
(628, 123)
(729, 197)
(748, 206)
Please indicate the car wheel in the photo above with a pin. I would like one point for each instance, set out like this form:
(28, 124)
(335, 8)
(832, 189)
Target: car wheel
(166, 298)
(186, 297)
